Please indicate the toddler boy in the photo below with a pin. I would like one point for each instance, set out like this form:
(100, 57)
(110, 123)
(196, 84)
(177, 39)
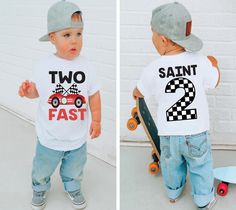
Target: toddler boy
(67, 87)
(178, 80)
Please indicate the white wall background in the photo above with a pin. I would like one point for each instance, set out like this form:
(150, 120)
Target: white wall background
(214, 21)
(23, 22)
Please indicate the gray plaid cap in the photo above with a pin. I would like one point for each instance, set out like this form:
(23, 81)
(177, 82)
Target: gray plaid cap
(174, 21)
(59, 18)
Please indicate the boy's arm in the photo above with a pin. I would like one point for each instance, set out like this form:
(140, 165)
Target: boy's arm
(28, 89)
(137, 93)
(215, 64)
(95, 108)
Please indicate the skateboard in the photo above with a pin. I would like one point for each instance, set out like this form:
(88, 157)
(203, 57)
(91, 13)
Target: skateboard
(141, 115)
(226, 175)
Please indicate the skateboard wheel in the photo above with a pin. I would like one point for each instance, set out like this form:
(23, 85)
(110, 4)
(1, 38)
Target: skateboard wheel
(134, 110)
(132, 124)
(222, 189)
(153, 168)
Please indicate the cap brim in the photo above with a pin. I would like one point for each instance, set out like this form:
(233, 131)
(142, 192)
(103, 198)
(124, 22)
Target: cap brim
(192, 43)
(44, 38)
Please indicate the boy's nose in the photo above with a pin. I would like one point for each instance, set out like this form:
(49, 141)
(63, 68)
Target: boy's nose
(74, 39)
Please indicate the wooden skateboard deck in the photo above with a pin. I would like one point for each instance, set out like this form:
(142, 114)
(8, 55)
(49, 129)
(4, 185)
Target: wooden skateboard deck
(141, 115)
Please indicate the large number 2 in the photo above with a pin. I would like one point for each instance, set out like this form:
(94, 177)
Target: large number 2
(177, 111)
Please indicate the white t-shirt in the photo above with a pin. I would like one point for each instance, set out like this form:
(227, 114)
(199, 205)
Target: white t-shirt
(179, 83)
(64, 87)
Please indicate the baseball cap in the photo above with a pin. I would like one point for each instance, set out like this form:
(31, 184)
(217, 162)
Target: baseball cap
(59, 18)
(174, 21)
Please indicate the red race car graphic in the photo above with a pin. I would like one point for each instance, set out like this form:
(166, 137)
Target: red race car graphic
(62, 96)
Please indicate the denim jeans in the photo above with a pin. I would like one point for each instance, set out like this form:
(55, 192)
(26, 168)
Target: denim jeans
(71, 169)
(192, 152)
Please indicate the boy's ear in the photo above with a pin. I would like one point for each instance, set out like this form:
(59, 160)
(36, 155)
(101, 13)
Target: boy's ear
(52, 38)
(164, 40)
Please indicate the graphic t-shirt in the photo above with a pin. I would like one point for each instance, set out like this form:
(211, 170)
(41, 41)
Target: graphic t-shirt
(64, 87)
(179, 83)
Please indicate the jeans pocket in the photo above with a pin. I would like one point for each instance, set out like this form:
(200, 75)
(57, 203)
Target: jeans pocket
(197, 145)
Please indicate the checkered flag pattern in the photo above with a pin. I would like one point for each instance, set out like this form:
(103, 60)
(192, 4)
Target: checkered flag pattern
(73, 89)
(177, 111)
(59, 89)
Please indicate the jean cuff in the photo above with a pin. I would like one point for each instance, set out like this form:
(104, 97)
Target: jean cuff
(173, 194)
(40, 188)
(72, 185)
(203, 200)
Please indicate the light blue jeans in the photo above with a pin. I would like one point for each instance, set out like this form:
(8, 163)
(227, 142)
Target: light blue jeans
(193, 152)
(71, 169)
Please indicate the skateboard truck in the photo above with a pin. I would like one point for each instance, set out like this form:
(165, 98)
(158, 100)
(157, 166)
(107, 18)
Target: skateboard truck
(226, 175)
(154, 166)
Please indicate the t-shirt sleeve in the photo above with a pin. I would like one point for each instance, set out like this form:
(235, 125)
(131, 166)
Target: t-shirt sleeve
(146, 83)
(210, 75)
(93, 84)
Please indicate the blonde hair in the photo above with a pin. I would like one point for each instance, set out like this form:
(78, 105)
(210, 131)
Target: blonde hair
(76, 17)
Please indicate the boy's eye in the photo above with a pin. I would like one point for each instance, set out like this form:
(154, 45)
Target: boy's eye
(66, 35)
(79, 34)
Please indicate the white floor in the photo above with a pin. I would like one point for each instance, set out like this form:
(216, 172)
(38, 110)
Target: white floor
(142, 191)
(16, 153)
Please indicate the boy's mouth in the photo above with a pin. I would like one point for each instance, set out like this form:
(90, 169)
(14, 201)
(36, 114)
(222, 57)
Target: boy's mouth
(73, 50)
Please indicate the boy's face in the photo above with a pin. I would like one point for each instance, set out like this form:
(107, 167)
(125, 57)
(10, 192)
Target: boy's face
(68, 42)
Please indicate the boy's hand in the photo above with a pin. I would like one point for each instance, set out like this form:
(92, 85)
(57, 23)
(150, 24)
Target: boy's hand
(137, 93)
(95, 129)
(214, 63)
(28, 89)
(95, 108)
